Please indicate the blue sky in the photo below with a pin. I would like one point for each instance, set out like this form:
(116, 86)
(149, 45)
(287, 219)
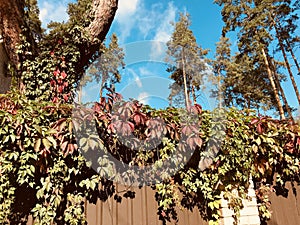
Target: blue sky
(143, 27)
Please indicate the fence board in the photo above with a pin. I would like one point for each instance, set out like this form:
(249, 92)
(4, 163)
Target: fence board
(285, 211)
(142, 210)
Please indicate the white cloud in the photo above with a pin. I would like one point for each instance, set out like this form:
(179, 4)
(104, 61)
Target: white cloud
(125, 17)
(163, 32)
(138, 81)
(147, 22)
(143, 97)
(126, 8)
(143, 71)
(53, 11)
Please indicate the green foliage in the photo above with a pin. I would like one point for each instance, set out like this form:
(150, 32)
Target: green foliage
(106, 68)
(40, 156)
(64, 51)
(254, 80)
(187, 64)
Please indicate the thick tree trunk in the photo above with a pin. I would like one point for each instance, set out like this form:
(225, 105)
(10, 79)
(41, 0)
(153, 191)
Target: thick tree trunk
(104, 12)
(12, 18)
(275, 90)
(11, 21)
(287, 64)
(4, 80)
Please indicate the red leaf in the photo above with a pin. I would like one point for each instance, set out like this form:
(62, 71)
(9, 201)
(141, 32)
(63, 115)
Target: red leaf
(52, 82)
(60, 89)
(197, 109)
(254, 120)
(66, 97)
(63, 75)
(64, 145)
(259, 128)
(55, 100)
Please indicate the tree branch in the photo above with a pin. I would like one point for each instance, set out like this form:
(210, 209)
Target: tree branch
(104, 12)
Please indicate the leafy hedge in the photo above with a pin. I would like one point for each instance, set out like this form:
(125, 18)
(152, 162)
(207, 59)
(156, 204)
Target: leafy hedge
(43, 149)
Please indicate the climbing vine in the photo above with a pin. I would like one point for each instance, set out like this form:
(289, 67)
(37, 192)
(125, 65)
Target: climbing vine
(195, 156)
(43, 155)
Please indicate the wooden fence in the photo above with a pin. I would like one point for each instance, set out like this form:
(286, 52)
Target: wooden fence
(286, 210)
(142, 210)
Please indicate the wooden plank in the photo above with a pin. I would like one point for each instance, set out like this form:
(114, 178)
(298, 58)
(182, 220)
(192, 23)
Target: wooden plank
(285, 210)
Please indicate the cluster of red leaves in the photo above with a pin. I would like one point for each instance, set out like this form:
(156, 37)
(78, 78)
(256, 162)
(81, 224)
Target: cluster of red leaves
(7, 105)
(291, 138)
(59, 83)
(139, 126)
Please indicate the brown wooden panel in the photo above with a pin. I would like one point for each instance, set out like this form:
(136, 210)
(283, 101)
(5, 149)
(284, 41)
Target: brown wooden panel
(285, 211)
(142, 210)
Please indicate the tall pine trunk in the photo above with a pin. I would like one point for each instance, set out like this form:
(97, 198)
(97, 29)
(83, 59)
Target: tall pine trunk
(287, 64)
(194, 95)
(186, 94)
(102, 86)
(284, 99)
(293, 55)
(273, 85)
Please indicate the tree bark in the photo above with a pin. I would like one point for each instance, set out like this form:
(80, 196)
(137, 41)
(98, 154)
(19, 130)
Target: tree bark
(293, 55)
(276, 78)
(104, 12)
(194, 95)
(186, 94)
(11, 21)
(287, 64)
(270, 76)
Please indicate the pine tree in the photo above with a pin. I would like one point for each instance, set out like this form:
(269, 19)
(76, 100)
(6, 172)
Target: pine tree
(106, 68)
(246, 85)
(186, 61)
(255, 34)
(220, 66)
(33, 21)
(283, 20)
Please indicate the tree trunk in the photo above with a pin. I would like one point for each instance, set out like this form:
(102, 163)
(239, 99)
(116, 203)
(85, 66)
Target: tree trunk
(276, 78)
(104, 12)
(4, 80)
(11, 21)
(287, 64)
(293, 55)
(219, 89)
(102, 86)
(270, 76)
(186, 95)
(194, 95)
